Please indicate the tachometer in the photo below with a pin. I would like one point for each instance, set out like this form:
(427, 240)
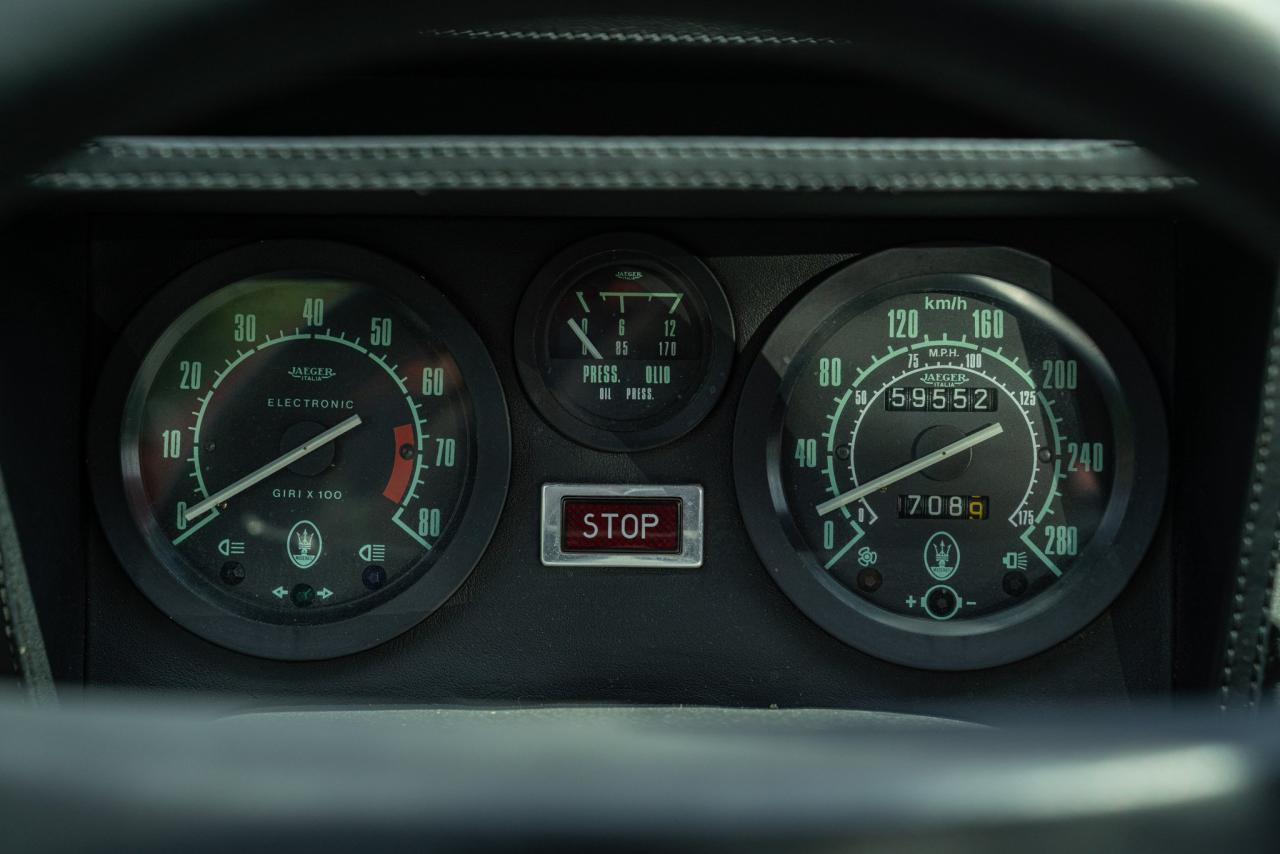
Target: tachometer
(954, 473)
(312, 449)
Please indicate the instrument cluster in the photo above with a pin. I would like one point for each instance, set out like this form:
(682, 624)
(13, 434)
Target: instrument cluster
(946, 457)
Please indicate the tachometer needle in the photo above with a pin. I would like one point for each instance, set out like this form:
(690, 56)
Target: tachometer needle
(283, 461)
(586, 342)
(976, 438)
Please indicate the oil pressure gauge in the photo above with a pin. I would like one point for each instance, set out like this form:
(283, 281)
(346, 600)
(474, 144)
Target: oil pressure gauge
(625, 342)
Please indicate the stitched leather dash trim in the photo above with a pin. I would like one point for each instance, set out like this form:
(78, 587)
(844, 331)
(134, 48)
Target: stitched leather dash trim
(1249, 623)
(610, 148)
(15, 661)
(649, 37)
(586, 163)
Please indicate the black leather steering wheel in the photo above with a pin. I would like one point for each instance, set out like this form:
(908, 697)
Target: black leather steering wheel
(1193, 80)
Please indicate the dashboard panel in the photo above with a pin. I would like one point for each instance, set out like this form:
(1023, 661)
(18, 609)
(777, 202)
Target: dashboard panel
(490, 367)
(720, 633)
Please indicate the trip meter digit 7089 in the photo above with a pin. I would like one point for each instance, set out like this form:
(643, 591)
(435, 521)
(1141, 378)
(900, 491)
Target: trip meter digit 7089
(298, 448)
(955, 473)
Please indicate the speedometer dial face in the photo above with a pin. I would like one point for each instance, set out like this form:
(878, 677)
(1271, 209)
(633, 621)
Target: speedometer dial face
(950, 460)
(624, 342)
(300, 448)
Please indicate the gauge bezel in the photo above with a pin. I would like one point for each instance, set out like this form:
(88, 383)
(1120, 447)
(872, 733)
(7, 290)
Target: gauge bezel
(1100, 573)
(539, 304)
(182, 600)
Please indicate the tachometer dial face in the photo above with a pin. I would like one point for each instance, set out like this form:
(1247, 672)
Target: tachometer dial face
(951, 456)
(300, 447)
(625, 342)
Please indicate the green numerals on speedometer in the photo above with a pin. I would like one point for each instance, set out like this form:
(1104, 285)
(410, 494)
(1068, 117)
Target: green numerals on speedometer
(957, 452)
(942, 425)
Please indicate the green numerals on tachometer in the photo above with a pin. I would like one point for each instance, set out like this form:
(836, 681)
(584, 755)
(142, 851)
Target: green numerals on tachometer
(245, 328)
(312, 311)
(432, 381)
(807, 453)
(829, 370)
(429, 522)
(192, 375)
(380, 331)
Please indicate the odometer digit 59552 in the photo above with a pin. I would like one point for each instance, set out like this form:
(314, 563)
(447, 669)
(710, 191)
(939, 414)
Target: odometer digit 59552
(954, 473)
(298, 448)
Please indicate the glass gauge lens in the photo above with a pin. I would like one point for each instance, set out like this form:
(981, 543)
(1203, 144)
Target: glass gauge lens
(220, 424)
(625, 342)
(624, 345)
(951, 454)
(949, 462)
(300, 448)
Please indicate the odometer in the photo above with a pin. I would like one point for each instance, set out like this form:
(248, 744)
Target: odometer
(955, 473)
(299, 447)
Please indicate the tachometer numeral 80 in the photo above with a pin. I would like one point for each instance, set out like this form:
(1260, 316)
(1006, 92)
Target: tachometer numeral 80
(429, 522)
(829, 371)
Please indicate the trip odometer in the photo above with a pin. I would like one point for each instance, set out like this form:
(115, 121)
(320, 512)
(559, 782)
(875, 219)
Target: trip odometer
(298, 448)
(954, 474)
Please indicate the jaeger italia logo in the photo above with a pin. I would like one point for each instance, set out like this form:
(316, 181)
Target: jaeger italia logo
(311, 375)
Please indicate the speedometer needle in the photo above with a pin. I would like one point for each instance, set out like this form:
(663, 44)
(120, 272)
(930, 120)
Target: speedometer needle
(283, 461)
(586, 342)
(976, 438)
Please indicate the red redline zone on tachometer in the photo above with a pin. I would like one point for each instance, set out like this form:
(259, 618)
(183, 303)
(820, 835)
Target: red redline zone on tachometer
(401, 468)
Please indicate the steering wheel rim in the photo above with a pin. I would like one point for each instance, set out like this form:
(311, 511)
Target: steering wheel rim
(1216, 112)
(1192, 80)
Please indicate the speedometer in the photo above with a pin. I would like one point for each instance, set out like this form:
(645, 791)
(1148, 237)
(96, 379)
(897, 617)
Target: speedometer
(954, 473)
(312, 449)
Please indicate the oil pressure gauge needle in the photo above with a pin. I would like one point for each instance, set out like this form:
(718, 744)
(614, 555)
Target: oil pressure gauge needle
(586, 342)
(858, 493)
(283, 461)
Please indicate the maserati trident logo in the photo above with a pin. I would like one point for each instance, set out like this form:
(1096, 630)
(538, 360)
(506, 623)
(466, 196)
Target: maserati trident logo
(304, 544)
(311, 374)
(942, 555)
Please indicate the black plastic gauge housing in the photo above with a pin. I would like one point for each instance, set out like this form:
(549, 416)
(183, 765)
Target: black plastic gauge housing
(1102, 568)
(707, 306)
(194, 601)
